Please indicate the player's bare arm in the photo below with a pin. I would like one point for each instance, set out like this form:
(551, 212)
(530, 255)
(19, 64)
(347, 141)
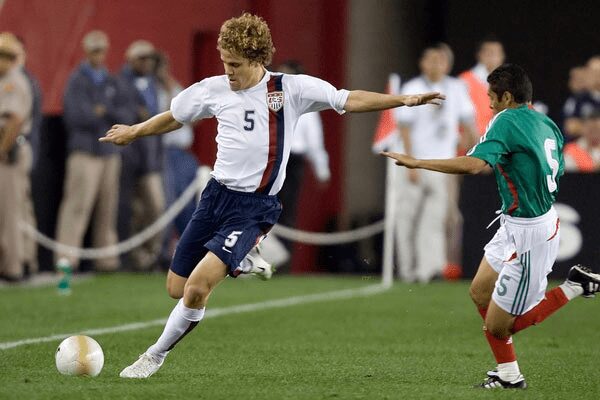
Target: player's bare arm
(157, 125)
(458, 165)
(363, 101)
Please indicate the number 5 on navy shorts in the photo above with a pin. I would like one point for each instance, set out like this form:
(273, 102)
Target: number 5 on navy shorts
(227, 223)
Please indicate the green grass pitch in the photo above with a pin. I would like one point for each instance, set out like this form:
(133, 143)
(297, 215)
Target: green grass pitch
(411, 342)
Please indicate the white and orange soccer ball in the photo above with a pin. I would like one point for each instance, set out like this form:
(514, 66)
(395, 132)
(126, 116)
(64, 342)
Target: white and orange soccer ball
(79, 355)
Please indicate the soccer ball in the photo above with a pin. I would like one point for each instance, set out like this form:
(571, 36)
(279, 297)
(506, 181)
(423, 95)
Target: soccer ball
(79, 355)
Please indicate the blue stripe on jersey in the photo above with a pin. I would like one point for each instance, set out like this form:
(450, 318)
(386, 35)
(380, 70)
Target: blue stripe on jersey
(280, 136)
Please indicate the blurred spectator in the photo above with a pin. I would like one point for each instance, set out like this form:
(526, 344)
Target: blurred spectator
(34, 135)
(540, 107)
(580, 106)
(307, 145)
(142, 199)
(490, 55)
(426, 198)
(93, 102)
(578, 80)
(180, 164)
(26, 160)
(15, 121)
(583, 155)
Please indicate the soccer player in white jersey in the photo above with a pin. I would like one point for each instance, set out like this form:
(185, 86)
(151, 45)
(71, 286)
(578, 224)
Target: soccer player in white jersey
(524, 148)
(256, 111)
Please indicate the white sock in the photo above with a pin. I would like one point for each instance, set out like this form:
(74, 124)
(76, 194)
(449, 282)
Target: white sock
(571, 289)
(181, 321)
(509, 371)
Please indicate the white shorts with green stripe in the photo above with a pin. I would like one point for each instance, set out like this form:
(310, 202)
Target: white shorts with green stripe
(523, 251)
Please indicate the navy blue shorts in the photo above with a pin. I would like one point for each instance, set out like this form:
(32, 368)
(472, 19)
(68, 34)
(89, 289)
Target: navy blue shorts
(226, 222)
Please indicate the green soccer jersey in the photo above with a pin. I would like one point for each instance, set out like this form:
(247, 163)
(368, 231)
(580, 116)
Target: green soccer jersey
(525, 149)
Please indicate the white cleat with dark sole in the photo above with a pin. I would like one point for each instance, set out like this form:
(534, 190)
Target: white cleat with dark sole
(254, 264)
(584, 276)
(494, 382)
(144, 367)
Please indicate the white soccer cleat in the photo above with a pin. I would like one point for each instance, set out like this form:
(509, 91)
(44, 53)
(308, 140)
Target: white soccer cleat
(144, 367)
(254, 264)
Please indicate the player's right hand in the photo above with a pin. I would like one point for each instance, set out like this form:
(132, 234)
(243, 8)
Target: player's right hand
(435, 98)
(401, 159)
(120, 135)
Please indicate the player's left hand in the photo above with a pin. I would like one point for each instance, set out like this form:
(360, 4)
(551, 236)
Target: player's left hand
(119, 134)
(412, 100)
(401, 159)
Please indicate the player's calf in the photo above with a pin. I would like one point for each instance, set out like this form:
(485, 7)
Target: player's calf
(175, 285)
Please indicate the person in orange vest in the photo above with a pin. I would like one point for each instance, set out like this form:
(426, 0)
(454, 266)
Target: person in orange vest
(490, 55)
(583, 155)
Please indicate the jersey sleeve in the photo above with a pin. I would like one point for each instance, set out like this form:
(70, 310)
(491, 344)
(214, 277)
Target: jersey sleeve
(192, 103)
(315, 94)
(495, 143)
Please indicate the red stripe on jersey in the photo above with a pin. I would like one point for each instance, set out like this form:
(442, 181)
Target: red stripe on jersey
(513, 190)
(272, 157)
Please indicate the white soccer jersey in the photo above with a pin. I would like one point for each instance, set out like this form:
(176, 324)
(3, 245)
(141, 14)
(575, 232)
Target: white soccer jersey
(434, 129)
(308, 141)
(255, 125)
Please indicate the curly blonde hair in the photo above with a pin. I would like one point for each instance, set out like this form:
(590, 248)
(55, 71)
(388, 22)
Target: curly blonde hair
(247, 36)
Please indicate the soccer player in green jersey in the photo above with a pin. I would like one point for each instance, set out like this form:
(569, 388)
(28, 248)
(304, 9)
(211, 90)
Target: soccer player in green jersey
(524, 148)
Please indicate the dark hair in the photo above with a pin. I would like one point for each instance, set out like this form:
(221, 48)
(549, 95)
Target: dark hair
(491, 38)
(513, 79)
(439, 46)
(295, 66)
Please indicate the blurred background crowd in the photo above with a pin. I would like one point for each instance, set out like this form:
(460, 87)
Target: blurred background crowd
(107, 194)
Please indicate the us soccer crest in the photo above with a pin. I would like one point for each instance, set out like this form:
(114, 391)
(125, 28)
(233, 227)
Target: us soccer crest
(275, 101)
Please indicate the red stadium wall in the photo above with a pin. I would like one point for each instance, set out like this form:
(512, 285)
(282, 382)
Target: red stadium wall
(312, 31)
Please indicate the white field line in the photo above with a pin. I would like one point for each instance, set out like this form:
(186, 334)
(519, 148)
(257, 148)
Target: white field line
(211, 313)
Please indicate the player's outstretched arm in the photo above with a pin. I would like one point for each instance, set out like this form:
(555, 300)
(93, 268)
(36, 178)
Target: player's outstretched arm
(363, 101)
(157, 125)
(459, 165)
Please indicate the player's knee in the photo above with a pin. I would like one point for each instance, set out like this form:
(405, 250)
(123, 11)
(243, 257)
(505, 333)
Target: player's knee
(196, 293)
(479, 297)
